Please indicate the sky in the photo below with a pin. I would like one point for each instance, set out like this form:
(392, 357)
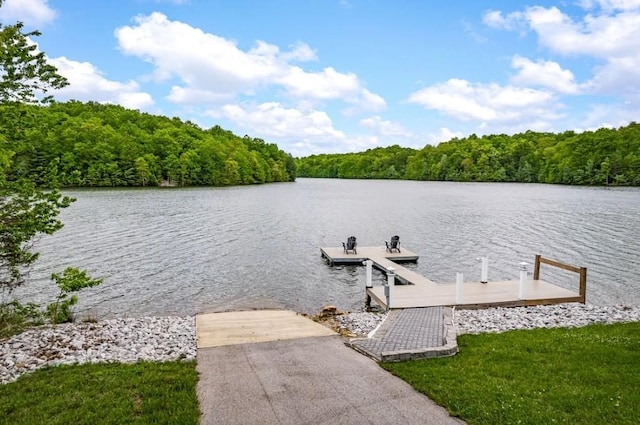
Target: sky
(332, 76)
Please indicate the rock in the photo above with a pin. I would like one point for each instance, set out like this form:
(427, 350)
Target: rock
(328, 311)
(146, 338)
(559, 315)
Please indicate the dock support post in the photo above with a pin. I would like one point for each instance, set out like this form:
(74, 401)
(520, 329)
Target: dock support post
(523, 281)
(459, 287)
(369, 282)
(391, 278)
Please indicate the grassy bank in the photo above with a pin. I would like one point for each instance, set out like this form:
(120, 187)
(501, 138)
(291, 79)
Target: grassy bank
(141, 393)
(587, 375)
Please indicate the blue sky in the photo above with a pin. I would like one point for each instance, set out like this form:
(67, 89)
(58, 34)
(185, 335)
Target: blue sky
(324, 76)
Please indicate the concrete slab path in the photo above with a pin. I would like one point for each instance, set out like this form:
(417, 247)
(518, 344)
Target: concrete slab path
(239, 327)
(307, 380)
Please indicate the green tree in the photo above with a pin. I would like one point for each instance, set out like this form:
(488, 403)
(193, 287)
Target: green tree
(26, 75)
(25, 211)
(71, 280)
(142, 171)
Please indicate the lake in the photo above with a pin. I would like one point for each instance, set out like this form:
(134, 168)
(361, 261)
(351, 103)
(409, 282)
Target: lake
(182, 251)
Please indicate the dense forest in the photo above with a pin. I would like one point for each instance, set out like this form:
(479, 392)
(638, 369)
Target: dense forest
(602, 157)
(92, 144)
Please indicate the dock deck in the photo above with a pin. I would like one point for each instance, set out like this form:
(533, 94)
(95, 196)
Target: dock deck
(475, 295)
(337, 255)
(419, 291)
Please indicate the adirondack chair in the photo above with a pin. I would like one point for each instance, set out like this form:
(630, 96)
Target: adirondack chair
(394, 244)
(350, 245)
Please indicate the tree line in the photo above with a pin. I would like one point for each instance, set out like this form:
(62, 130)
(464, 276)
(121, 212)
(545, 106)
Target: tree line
(601, 157)
(92, 144)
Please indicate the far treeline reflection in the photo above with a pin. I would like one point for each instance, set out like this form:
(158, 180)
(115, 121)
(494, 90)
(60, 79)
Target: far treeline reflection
(602, 157)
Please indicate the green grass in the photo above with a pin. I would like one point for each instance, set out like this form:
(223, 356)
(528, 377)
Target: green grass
(141, 393)
(587, 375)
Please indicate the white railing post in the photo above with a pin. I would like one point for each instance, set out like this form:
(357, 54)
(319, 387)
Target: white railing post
(391, 278)
(369, 282)
(369, 265)
(459, 287)
(523, 281)
(484, 278)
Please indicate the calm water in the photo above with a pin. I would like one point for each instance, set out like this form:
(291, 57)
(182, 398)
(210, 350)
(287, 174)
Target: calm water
(189, 250)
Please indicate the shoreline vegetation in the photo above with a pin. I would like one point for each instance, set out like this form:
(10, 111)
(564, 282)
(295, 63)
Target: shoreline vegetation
(75, 144)
(605, 157)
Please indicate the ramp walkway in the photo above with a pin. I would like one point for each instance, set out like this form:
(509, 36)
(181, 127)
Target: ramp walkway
(306, 375)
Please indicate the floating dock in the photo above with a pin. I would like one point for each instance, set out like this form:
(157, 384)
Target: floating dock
(418, 291)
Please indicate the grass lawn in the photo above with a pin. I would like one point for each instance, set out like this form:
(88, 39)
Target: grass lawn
(587, 375)
(114, 393)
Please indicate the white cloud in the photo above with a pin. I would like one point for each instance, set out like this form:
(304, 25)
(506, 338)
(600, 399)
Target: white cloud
(300, 52)
(495, 19)
(605, 32)
(469, 29)
(370, 101)
(488, 103)
(274, 120)
(190, 95)
(602, 36)
(542, 73)
(385, 128)
(608, 32)
(328, 84)
(444, 134)
(609, 115)
(208, 68)
(31, 12)
(203, 62)
(86, 83)
(610, 5)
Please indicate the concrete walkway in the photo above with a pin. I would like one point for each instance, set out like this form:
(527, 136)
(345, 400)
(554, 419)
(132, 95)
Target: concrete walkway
(308, 380)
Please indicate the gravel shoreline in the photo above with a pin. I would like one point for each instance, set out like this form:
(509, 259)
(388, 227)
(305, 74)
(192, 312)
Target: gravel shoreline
(118, 340)
(174, 338)
(510, 318)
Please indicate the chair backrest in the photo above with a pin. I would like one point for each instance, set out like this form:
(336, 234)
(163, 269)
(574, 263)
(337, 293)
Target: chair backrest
(395, 240)
(351, 241)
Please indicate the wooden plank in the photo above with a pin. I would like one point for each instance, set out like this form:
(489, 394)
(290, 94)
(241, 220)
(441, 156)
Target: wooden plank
(406, 275)
(560, 265)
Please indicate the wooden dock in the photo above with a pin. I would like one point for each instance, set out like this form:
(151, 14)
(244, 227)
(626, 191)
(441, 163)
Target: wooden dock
(337, 256)
(418, 291)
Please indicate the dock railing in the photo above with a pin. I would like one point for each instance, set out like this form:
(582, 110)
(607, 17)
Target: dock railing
(581, 271)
